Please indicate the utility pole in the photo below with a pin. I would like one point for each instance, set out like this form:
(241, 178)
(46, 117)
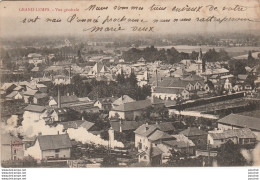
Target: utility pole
(208, 147)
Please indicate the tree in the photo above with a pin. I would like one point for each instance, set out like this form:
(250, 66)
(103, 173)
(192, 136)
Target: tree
(110, 161)
(132, 79)
(179, 159)
(194, 55)
(229, 155)
(162, 111)
(236, 67)
(120, 78)
(251, 60)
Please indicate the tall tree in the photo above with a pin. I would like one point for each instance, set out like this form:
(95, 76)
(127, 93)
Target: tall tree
(229, 155)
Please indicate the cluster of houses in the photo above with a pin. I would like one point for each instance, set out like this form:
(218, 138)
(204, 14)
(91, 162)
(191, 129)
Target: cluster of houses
(154, 142)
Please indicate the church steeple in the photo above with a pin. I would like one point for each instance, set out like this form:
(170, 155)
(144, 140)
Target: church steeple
(200, 55)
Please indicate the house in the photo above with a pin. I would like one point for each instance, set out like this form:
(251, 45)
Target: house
(82, 107)
(179, 144)
(127, 127)
(98, 69)
(146, 134)
(238, 87)
(167, 93)
(28, 96)
(130, 110)
(151, 157)
(7, 88)
(236, 121)
(12, 148)
(155, 137)
(42, 88)
(63, 100)
(104, 104)
(63, 114)
(242, 136)
(88, 126)
(51, 147)
(122, 100)
(35, 69)
(14, 95)
(227, 85)
(198, 137)
(40, 98)
(34, 112)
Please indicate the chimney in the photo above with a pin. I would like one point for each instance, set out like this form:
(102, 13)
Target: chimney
(120, 126)
(39, 133)
(59, 98)
(58, 132)
(146, 126)
(70, 74)
(156, 122)
(156, 77)
(152, 99)
(82, 118)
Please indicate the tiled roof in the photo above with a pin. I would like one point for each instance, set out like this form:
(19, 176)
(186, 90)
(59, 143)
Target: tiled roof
(126, 125)
(30, 92)
(241, 121)
(178, 144)
(145, 130)
(240, 133)
(67, 99)
(167, 90)
(193, 131)
(107, 100)
(156, 100)
(71, 124)
(35, 108)
(160, 135)
(12, 94)
(87, 125)
(165, 126)
(133, 106)
(50, 142)
(174, 82)
(193, 78)
(40, 95)
(156, 151)
(123, 99)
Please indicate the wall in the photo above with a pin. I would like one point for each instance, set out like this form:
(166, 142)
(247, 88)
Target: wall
(143, 140)
(7, 152)
(64, 153)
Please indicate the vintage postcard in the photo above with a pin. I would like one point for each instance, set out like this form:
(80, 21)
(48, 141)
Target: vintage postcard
(130, 83)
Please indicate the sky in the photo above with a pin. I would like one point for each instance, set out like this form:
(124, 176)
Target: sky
(12, 13)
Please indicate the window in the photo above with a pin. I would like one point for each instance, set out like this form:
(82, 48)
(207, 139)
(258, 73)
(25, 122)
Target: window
(140, 146)
(57, 150)
(15, 151)
(144, 157)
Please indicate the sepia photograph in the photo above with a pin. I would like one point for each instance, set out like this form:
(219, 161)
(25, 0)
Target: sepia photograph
(93, 84)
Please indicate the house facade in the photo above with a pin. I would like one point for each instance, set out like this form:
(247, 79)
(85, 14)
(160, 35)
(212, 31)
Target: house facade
(238, 136)
(51, 147)
(12, 148)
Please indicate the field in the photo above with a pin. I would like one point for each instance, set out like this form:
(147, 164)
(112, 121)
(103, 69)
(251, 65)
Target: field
(232, 51)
